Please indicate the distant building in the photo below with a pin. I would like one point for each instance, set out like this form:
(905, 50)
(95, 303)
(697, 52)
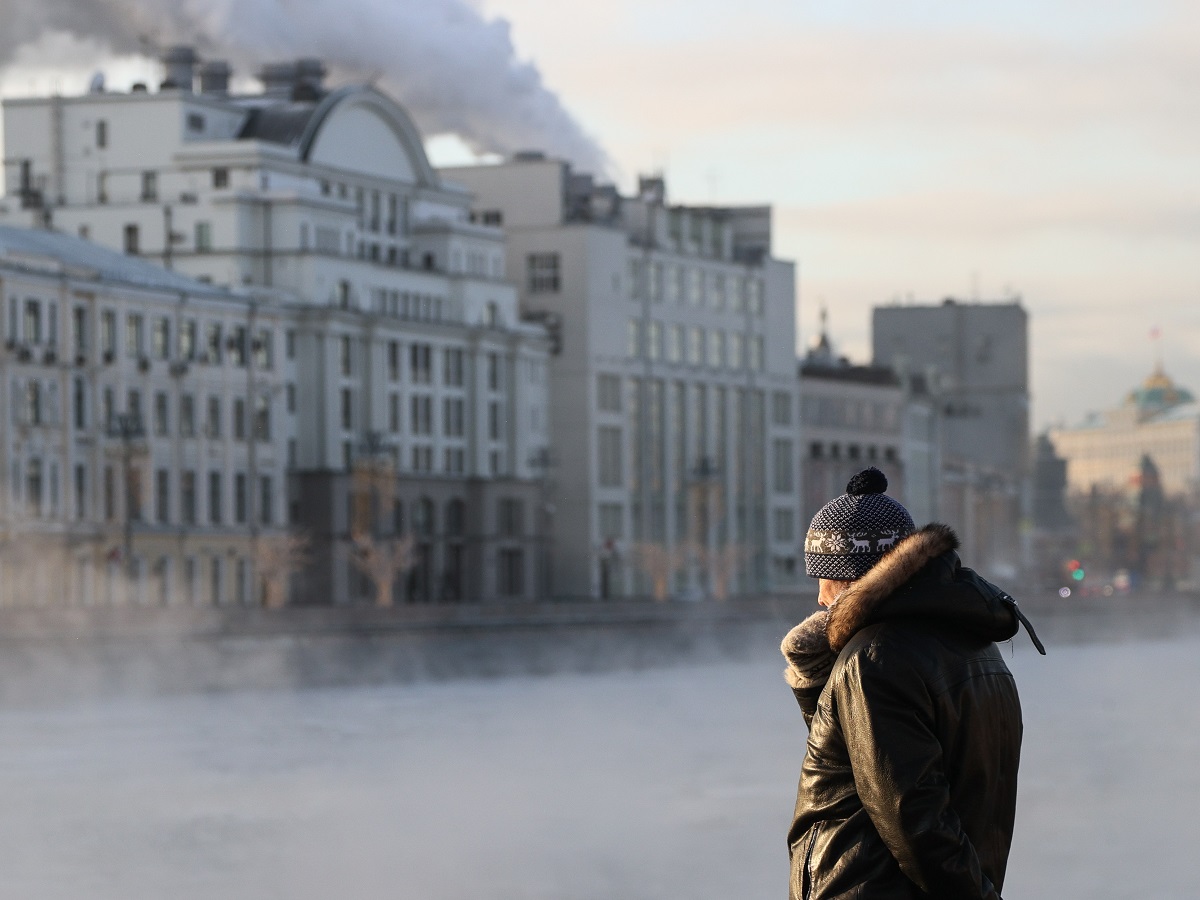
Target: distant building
(973, 360)
(144, 438)
(673, 387)
(1159, 419)
(852, 416)
(405, 344)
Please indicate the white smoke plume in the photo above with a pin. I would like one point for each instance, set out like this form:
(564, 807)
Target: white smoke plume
(452, 69)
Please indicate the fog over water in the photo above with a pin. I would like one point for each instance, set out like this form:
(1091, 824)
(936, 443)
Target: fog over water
(652, 784)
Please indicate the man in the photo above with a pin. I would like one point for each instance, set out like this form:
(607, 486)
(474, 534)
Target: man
(909, 782)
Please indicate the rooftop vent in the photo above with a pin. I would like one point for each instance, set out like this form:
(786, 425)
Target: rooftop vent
(180, 63)
(528, 156)
(299, 80)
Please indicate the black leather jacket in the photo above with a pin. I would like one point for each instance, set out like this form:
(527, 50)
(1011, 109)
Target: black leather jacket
(909, 783)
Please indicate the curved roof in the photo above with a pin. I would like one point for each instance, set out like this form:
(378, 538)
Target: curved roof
(1158, 393)
(298, 124)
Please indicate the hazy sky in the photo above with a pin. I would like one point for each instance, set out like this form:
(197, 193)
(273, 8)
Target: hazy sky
(917, 149)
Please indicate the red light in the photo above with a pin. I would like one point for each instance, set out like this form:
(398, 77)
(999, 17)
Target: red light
(1073, 565)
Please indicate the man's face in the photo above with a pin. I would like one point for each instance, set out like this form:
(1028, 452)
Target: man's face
(830, 589)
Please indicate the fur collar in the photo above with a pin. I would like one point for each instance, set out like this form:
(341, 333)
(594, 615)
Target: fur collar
(855, 605)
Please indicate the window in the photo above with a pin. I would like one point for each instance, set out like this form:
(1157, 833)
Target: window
(511, 575)
(238, 348)
(394, 412)
(781, 408)
(347, 409)
(420, 357)
(187, 340)
(33, 322)
(79, 325)
(203, 237)
(239, 419)
(675, 344)
(737, 351)
(393, 360)
(212, 342)
(633, 343)
(453, 419)
(79, 403)
(510, 517)
(494, 421)
(756, 359)
(220, 177)
(494, 374)
(110, 494)
(346, 355)
(421, 409)
(134, 330)
(160, 338)
(653, 340)
(609, 456)
(101, 133)
(161, 423)
(162, 496)
(453, 374)
(81, 504)
(212, 419)
(716, 348)
(266, 489)
(289, 344)
(187, 497)
(239, 498)
(262, 419)
(543, 272)
(108, 334)
(149, 187)
(695, 347)
(608, 393)
(195, 122)
(214, 498)
(290, 397)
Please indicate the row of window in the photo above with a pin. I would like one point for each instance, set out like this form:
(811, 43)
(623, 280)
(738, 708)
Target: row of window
(608, 399)
(35, 490)
(819, 450)
(696, 287)
(35, 323)
(695, 346)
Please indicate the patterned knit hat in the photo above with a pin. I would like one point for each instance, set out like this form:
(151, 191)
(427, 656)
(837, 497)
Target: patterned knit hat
(852, 532)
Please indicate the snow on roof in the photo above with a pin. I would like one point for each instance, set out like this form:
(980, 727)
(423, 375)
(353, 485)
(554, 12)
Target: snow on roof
(34, 248)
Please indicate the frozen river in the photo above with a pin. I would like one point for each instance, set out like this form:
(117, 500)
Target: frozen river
(655, 784)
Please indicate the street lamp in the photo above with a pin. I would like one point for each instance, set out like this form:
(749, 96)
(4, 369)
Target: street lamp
(541, 460)
(128, 429)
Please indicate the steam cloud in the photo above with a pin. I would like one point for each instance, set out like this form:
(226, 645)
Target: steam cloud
(452, 69)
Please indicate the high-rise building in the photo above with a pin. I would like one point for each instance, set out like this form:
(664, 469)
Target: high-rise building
(673, 391)
(410, 356)
(973, 361)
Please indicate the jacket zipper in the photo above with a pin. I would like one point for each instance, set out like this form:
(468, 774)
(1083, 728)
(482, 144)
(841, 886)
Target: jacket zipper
(807, 887)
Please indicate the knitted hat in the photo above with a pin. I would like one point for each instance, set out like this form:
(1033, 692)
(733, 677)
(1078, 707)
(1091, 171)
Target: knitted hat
(852, 532)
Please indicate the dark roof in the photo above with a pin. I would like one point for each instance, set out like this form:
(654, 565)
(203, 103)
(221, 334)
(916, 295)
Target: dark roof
(278, 123)
(880, 375)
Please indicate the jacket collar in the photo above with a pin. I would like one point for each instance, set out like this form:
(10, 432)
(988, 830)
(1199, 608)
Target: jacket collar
(860, 603)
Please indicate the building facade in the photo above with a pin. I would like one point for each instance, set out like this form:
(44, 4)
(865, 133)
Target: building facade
(144, 437)
(673, 394)
(971, 360)
(409, 351)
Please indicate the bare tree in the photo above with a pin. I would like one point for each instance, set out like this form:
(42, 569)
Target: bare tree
(722, 564)
(277, 558)
(660, 563)
(383, 560)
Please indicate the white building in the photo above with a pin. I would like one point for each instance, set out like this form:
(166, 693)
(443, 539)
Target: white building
(673, 387)
(407, 340)
(144, 439)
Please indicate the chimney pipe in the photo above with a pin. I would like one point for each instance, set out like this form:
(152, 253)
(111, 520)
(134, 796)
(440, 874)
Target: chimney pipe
(278, 80)
(214, 77)
(180, 63)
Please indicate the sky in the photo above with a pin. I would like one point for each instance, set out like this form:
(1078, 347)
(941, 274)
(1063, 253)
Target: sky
(910, 151)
